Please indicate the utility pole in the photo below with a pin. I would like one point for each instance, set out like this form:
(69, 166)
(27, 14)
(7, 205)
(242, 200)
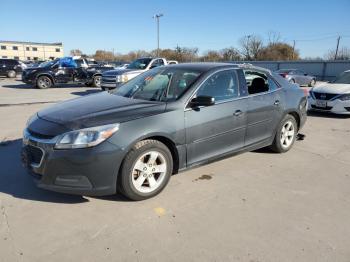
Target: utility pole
(293, 50)
(336, 50)
(157, 16)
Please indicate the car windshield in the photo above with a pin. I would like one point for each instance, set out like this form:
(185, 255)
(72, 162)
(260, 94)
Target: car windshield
(48, 63)
(141, 63)
(159, 84)
(343, 78)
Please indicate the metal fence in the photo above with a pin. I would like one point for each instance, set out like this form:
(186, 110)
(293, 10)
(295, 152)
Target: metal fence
(323, 70)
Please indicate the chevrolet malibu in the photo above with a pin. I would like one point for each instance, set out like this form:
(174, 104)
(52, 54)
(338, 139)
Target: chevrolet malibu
(131, 140)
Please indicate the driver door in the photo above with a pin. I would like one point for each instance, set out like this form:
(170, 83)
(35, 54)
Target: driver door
(219, 128)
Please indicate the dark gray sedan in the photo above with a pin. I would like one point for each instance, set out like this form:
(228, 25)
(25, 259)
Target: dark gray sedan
(165, 120)
(297, 76)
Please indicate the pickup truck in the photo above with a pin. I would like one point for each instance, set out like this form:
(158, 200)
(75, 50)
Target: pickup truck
(114, 78)
(63, 70)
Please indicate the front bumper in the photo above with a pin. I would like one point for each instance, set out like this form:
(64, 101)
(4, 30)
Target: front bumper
(89, 171)
(26, 79)
(336, 106)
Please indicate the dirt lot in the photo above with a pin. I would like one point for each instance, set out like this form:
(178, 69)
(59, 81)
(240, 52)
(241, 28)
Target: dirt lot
(256, 206)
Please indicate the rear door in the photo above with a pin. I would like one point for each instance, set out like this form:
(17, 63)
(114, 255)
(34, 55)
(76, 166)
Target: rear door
(220, 128)
(264, 111)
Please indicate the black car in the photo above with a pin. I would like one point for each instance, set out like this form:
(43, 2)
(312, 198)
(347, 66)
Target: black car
(63, 70)
(10, 67)
(167, 119)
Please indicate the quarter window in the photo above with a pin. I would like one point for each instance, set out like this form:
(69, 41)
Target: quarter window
(222, 86)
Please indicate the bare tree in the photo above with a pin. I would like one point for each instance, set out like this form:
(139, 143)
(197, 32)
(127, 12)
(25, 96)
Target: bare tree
(273, 37)
(230, 54)
(343, 54)
(251, 46)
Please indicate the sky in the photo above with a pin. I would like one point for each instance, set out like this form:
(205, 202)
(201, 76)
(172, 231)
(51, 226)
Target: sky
(122, 26)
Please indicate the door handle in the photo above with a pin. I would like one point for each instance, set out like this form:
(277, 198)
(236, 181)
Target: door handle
(237, 113)
(277, 102)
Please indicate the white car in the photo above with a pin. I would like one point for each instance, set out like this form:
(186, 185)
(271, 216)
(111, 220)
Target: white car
(333, 97)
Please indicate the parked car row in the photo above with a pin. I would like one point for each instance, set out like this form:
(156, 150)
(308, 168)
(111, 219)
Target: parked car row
(169, 118)
(63, 70)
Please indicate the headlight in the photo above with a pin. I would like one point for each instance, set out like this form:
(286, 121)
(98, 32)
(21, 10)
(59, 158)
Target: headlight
(121, 78)
(87, 137)
(345, 97)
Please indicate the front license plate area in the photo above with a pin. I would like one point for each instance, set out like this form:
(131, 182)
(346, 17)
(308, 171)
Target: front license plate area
(321, 103)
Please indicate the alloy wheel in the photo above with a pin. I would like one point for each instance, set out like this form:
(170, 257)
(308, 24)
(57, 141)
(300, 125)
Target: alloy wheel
(44, 82)
(149, 171)
(287, 134)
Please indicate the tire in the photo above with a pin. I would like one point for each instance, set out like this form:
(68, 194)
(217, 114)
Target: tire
(103, 89)
(138, 170)
(284, 141)
(11, 74)
(96, 81)
(43, 82)
(292, 81)
(312, 83)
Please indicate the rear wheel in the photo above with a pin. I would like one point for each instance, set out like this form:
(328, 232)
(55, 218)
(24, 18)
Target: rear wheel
(292, 81)
(11, 74)
(96, 81)
(146, 170)
(43, 82)
(285, 135)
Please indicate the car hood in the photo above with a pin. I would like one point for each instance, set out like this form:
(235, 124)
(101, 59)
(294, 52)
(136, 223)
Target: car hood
(121, 72)
(332, 88)
(99, 109)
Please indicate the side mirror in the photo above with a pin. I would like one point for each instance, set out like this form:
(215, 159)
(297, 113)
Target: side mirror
(202, 101)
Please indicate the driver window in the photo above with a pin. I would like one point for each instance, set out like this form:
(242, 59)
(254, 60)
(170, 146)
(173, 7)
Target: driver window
(222, 86)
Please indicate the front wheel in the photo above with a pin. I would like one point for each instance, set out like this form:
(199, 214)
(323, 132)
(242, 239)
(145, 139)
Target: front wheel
(96, 81)
(285, 135)
(43, 82)
(146, 170)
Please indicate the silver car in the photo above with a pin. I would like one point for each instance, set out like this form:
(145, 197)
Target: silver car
(297, 76)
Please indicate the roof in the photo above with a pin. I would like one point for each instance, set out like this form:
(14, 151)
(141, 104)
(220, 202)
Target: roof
(29, 43)
(205, 66)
